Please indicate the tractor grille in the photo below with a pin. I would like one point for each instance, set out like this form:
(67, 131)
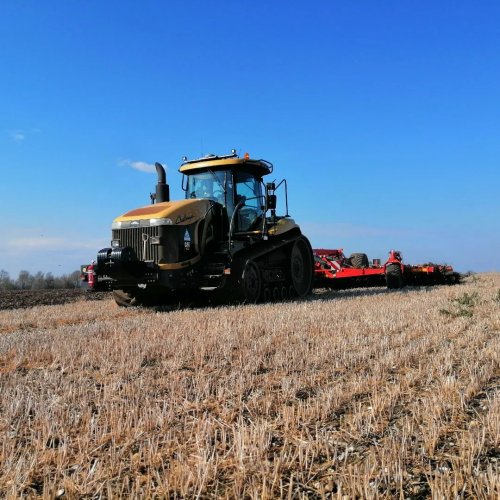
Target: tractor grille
(134, 237)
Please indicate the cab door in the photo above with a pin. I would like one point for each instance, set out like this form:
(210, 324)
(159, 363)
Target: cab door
(248, 190)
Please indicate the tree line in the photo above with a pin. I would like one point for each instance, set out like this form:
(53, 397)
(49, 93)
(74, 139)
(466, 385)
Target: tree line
(38, 281)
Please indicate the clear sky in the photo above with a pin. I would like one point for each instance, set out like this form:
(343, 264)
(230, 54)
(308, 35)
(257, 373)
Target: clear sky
(383, 116)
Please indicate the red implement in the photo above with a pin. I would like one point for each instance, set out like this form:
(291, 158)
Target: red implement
(333, 269)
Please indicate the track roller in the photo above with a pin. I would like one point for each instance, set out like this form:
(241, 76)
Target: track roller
(252, 282)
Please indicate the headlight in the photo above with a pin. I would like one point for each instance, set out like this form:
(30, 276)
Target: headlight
(160, 222)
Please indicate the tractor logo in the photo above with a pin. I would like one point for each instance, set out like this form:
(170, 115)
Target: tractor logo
(187, 241)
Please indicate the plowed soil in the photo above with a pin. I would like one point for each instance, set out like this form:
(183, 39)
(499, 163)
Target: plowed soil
(21, 299)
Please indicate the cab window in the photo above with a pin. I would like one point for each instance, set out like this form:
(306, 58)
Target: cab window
(248, 189)
(209, 185)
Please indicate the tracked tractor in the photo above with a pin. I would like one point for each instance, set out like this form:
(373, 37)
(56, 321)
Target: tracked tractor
(224, 241)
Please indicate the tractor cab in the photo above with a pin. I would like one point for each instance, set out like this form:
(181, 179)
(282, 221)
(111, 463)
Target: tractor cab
(234, 183)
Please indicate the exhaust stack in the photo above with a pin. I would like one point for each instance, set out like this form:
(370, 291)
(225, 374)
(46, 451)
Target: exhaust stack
(162, 188)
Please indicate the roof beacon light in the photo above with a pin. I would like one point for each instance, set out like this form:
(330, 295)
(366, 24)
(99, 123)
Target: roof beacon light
(233, 151)
(247, 156)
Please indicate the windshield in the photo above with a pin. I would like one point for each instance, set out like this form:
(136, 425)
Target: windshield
(222, 187)
(210, 185)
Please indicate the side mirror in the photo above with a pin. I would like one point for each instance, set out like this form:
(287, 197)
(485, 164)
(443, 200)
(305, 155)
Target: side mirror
(271, 202)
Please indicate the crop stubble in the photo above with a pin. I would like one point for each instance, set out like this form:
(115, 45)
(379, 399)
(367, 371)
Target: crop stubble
(363, 393)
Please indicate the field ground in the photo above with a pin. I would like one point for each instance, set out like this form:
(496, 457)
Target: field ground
(351, 394)
(17, 299)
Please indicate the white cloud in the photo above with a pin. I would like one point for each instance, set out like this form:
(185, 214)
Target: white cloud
(49, 243)
(142, 166)
(18, 136)
(40, 250)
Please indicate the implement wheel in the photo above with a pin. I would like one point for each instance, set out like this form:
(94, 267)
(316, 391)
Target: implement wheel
(394, 276)
(359, 260)
(301, 267)
(252, 282)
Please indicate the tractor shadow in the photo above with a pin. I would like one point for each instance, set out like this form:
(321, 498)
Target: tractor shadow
(344, 293)
(331, 293)
(322, 294)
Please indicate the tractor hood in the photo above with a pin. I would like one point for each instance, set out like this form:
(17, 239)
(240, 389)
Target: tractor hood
(168, 213)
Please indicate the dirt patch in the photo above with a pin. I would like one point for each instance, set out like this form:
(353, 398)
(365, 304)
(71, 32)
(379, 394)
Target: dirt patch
(22, 299)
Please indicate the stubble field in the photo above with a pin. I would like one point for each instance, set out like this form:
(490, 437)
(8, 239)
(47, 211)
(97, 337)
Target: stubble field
(354, 393)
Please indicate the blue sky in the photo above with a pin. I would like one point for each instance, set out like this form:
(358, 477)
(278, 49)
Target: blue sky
(383, 116)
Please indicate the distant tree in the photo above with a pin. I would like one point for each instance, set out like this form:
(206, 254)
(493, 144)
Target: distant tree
(5, 281)
(49, 281)
(71, 280)
(38, 281)
(25, 280)
(74, 279)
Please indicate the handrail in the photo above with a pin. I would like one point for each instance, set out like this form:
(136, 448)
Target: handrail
(286, 195)
(236, 208)
(231, 223)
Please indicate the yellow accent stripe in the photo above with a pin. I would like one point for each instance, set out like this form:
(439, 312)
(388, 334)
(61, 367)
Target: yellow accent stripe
(179, 265)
